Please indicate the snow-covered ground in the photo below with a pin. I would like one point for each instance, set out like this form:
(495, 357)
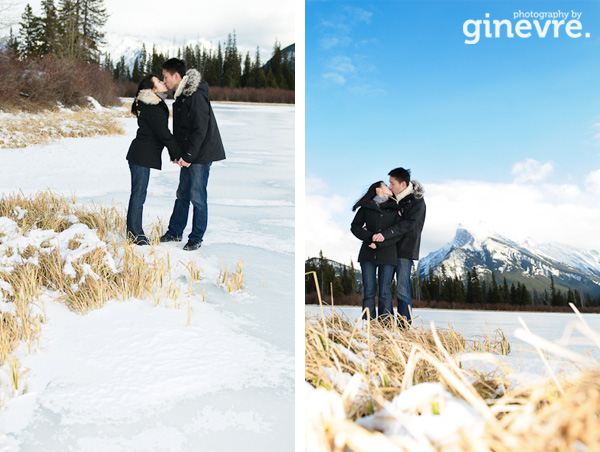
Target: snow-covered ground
(132, 376)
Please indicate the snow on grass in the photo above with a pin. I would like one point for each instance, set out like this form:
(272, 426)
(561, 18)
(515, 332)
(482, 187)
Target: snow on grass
(193, 367)
(23, 129)
(425, 389)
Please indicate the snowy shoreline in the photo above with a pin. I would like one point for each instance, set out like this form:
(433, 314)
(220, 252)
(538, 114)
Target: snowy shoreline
(216, 372)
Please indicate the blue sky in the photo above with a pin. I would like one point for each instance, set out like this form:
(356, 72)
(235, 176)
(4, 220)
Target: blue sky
(393, 83)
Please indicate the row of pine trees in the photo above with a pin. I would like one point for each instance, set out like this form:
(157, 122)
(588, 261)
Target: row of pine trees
(72, 29)
(471, 289)
(222, 67)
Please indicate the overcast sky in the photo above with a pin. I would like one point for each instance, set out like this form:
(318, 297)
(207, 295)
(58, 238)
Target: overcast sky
(256, 22)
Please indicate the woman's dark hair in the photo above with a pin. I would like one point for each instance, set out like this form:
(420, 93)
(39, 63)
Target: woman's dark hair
(370, 194)
(146, 83)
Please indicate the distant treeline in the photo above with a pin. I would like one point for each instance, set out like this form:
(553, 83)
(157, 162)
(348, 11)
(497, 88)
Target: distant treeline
(356, 301)
(223, 67)
(469, 292)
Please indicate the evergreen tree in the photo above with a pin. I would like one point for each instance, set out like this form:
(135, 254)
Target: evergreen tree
(136, 74)
(271, 81)
(338, 288)
(247, 69)
(473, 287)
(13, 43)
(353, 278)
(93, 18)
(495, 294)
(275, 66)
(51, 28)
(505, 292)
(143, 66)
(288, 72)
(31, 34)
(257, 75)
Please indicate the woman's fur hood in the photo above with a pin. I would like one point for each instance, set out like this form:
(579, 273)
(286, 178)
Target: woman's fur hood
(146, 96)
(189, 83)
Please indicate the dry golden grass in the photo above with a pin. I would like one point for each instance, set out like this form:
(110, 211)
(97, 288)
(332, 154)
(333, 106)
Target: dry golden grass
(559, 414)
(22, 129)
(232, 281)
(113, 270)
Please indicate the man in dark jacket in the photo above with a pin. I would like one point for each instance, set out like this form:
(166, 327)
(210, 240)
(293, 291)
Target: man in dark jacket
(411, 207)
(197, 134)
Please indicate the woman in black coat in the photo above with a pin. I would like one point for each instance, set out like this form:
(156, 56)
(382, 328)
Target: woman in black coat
(375, 215)
(145, 151)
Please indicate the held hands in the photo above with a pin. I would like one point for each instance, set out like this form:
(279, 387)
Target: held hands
(372, 245)
(181, 163)
(378, 237)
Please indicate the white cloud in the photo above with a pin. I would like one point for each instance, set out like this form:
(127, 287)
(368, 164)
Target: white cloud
(531, 170)
(330, 42)
(323, 228)
(335, 77)
(542, 212)
(592, 182)
(342, 64)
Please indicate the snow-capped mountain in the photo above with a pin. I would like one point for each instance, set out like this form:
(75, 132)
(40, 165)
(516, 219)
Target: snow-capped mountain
(526, 262)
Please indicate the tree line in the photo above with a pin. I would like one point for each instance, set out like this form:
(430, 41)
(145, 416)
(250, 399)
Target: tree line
(471, 290)
(220, 67)
(476, 290)
(72, 30)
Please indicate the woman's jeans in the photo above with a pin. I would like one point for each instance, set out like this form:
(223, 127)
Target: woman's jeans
(385, 274)
(192, 188)
(140, 176)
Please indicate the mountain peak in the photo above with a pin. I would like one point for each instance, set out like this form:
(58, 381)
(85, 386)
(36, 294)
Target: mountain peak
(526, 262)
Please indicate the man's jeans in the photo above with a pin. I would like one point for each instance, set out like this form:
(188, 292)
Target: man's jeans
(140, 176)
(403, 294)
(385, 274)
(192, 188)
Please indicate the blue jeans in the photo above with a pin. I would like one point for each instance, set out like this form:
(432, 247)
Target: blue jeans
(385, 274)
(192, 188)
(403, 294)
(140, 176)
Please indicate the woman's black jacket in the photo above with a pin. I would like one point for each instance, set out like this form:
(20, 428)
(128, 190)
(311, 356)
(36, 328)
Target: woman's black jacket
(153, 132)
(375, 219)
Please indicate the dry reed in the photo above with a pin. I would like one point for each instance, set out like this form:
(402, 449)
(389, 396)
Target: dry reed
(358, 367)
(82, 275)
(22, 129)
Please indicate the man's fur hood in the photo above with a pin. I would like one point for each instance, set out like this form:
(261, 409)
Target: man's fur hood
(418, 189)
(189, 83)
(414, 188)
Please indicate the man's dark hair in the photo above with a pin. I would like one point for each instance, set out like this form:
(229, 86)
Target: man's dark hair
(173, 65)
(400, 174)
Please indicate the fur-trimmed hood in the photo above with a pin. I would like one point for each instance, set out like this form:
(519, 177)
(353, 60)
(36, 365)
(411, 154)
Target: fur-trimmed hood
(418, 189)
(414, 188)
(147, 97)
(189, 83)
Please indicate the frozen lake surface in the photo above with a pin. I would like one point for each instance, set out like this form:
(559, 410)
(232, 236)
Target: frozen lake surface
(132, 376)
